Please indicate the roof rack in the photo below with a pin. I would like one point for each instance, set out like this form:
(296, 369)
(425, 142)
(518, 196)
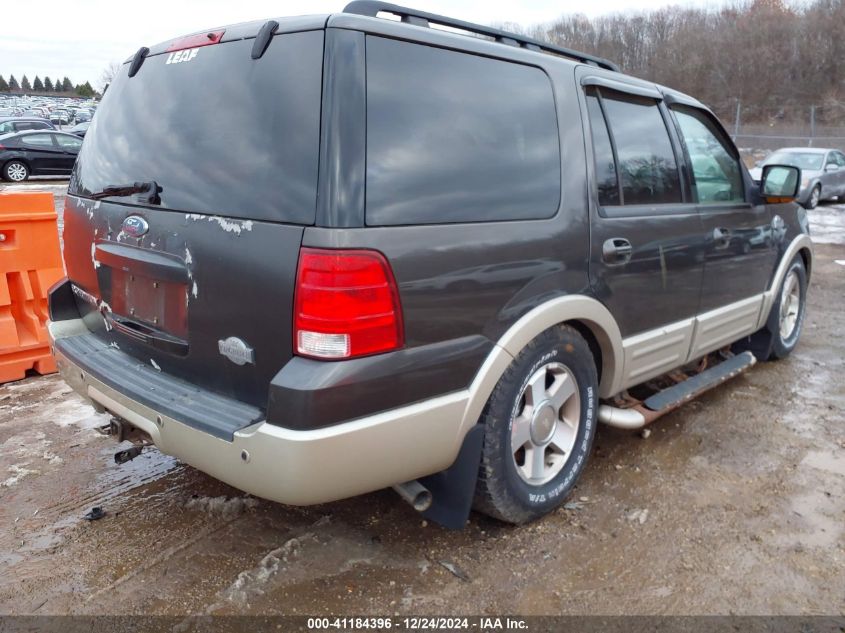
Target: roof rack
(372, 8)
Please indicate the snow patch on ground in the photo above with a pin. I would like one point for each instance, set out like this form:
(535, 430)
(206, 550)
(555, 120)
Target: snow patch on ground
(76, 412)
(222, 505)
(251, 582)
(19, 471)
(827, 224)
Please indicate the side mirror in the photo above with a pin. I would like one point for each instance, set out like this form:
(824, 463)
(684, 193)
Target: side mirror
(831, 167)
(780, 183)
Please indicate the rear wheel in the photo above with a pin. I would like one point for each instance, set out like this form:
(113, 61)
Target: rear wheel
(15, 171)
(539, 427)
(787, 316)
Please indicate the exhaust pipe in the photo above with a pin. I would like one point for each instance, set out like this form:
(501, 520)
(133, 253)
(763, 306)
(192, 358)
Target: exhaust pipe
(629, 419)
(416, 494)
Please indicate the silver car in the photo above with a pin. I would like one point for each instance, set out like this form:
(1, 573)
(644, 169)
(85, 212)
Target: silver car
(822, 172)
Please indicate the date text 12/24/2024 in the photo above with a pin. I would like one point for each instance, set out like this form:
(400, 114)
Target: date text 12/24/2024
(414, 623)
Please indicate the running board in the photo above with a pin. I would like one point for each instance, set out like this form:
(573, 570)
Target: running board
(662, 402)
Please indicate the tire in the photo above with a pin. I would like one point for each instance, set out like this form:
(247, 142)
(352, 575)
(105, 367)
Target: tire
(815, 197)
(787, 316)
(15, 171)
(558, 370)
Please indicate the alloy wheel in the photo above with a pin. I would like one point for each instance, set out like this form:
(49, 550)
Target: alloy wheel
(16, 172)
(544, 430)
(790, 304)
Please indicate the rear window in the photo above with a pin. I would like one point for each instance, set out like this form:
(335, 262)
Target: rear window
(453, 137)
(219, 132)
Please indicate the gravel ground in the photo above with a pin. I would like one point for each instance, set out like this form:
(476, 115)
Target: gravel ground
(734, 504)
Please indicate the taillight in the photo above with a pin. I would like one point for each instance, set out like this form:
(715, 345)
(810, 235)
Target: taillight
(346, 305)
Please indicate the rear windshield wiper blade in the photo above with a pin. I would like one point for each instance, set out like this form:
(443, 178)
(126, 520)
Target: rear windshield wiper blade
(151, 188)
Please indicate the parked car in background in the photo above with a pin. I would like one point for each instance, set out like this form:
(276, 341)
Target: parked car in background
(21, 124)
(37, 153)
(62, 117)
(822, 172)
(83, 115)
(80, 129)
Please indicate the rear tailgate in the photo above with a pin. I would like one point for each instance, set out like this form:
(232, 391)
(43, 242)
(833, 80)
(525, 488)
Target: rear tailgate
(199, 284)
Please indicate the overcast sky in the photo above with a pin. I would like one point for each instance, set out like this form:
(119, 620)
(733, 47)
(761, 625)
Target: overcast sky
(79, 38)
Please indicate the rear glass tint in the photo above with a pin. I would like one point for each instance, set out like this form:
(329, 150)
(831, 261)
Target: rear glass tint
(453, 137)
(221, 133)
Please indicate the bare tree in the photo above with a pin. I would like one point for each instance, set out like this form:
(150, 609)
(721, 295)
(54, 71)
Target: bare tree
(108, 75)
(771, 55)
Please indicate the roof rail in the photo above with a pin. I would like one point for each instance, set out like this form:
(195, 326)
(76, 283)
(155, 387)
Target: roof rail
(372, 8)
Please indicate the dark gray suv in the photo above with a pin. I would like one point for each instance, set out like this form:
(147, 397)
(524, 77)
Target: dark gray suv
(320, 256)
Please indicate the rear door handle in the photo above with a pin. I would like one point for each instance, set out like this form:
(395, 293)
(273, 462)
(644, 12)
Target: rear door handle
(722, 237)
(616, 250)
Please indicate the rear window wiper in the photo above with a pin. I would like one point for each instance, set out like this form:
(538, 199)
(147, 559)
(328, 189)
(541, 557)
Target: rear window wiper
(151, 188)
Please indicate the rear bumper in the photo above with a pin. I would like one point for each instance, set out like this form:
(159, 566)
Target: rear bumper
(282, 464)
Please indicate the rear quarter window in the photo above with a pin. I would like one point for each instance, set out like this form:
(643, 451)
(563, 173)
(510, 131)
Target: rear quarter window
(453, 137)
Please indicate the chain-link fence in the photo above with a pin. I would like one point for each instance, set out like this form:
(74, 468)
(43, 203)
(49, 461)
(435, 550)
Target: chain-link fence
(758, 131)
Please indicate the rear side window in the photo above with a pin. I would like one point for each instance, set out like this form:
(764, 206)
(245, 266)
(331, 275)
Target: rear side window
(606, 177)
(645, 164)
(715, 170)
(453, 137)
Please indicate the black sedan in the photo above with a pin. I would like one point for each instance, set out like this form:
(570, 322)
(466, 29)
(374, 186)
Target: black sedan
(37, 153)
(19, 124)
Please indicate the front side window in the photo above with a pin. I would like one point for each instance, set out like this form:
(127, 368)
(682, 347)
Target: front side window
(715, 170)
(454, 137)
(41, 141)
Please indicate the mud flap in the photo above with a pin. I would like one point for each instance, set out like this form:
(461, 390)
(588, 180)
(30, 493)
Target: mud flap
(453, 489)
(760, 344)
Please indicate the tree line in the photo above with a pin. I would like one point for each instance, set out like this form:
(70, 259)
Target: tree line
(774, 58)
(46, 86)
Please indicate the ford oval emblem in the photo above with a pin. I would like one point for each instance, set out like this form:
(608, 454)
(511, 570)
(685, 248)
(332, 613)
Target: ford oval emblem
(135, 226)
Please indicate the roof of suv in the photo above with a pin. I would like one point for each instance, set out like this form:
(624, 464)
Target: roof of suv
(361, 15)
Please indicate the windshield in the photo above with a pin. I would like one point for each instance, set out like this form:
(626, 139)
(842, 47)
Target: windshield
(219, 132)
(805, 160)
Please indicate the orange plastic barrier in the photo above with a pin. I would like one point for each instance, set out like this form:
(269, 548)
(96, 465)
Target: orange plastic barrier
(30, 262)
